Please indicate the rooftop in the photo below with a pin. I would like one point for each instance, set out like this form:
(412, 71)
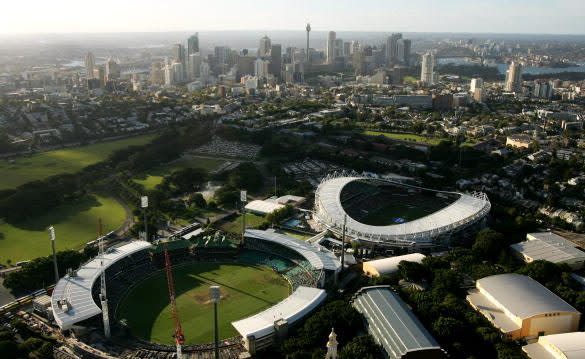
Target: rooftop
(77, 290)
(550, 247)
(523, 296)
(296, 306)
(571, 345)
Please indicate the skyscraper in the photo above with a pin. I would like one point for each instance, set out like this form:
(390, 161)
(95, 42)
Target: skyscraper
(194, 65)
(331, 47)
(261, 68)
(392, 48)
(89, 65)
(112, 70)
(427, 75)
(514, 77)
(339, 48)
(179, 53)
(265, 46)
(407, 49)
(276, 60)
(193, 44)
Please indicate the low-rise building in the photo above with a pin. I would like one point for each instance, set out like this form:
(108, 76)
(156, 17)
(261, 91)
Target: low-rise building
(557, 346)
(550, 247)
(393, 325)
(385, 266)
(521, 308)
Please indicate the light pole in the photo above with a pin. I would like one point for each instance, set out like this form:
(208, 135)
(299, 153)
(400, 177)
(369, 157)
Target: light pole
(243, 199)
(52, 237)
(343, 243)
(144, 205)
(215, 296)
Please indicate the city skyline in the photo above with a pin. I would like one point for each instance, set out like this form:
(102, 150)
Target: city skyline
(486, 16)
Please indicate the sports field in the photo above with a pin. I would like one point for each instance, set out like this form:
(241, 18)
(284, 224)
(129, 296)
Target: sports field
(155, 176)
(75, 224)
(245, 290)
(42, 165)
(235, 225)
(406, 137)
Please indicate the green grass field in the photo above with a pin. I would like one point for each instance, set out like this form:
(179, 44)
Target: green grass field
(155, 176)
(235, 225)
(75, 224)
(42, 165)
(245, 290)
(406, 137)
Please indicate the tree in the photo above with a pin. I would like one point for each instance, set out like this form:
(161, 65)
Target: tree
(362, 347)
(447, 328)
(198, 200)
(488, 244)
(412, 271)
(9, 349)
(542, 271)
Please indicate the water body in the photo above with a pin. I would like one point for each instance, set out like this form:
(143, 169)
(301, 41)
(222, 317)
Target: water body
(530, 70)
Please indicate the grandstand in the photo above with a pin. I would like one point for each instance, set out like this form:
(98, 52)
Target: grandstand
(394, 214)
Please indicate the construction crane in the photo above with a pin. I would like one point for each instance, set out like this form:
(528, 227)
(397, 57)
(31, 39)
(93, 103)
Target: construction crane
(178, 334)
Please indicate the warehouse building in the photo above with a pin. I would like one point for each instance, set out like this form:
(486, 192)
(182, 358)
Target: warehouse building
(520, 307)
(385, 266)
(393, 325)
(557, 346)
(549, 247)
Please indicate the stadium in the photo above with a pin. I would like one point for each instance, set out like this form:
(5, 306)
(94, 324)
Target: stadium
(268, 284)
(394, 214)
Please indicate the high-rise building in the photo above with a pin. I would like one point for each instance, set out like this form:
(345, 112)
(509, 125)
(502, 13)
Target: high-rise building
(178, 72)
(179, 53)
(265, 46)
(407, 50)
(89, 65)
(204, 73)
(245, 65)
(261, 68)
(339, 48)
(514, 77)
(331, 47)
(169, 74)
(193, 44)
(543, 89)
(276, 60)
(195, 60)
(392, 48)
(355, 46)
(113, 70)
(475, 84)
(157, 74)
(346, 48)
(427, 75)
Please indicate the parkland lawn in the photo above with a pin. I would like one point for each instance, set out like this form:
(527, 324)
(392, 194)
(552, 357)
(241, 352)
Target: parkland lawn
(39, 166)
(406, 137)
(75, 224)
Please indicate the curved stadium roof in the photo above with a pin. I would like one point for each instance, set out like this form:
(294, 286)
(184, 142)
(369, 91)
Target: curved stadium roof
(77, 290)
(467, 209)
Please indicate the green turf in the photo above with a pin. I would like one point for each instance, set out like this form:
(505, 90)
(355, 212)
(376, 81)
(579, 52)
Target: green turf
(245, 290)
(42, 165)
(235, 225)
(151, 178)
(75, 224)
(406, 137)
(297, 235)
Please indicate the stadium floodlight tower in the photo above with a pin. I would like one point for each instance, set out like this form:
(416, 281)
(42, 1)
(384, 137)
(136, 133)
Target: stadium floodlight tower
(103, 296)
(215, 296)
(55, 268)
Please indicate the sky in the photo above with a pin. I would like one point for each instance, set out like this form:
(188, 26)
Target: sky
(476, 16)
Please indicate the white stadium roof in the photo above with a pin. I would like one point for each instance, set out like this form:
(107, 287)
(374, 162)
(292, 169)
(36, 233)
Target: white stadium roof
(522, 296)
(300, 303)
(77, 291)
(319, 257)
(329, 211)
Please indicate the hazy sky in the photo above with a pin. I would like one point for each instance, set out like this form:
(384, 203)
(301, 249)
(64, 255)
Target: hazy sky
(502, 16)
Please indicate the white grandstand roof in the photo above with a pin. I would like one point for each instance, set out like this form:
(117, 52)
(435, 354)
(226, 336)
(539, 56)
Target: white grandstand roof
(570, 345)
(295, 307)
(77, 290)
(549, 247)
(522, 296)
(263, 207)
(318, 256)
(329, 210)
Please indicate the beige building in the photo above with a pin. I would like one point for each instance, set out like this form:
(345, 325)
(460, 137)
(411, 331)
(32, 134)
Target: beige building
(520, 307)
(389, 265)
(557, 346)
(518, 141)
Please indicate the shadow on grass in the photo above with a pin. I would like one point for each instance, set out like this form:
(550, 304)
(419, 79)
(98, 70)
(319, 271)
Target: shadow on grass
(59, 214)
